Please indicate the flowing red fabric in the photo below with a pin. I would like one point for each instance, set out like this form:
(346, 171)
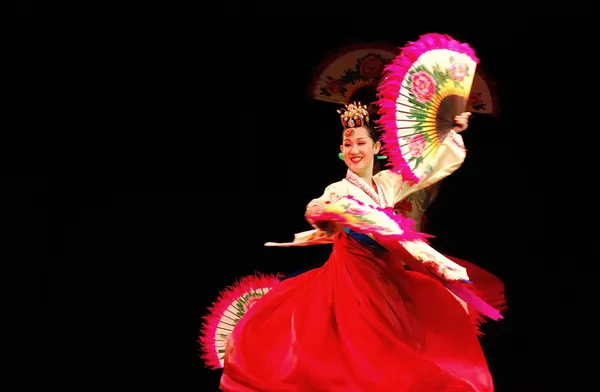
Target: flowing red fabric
(361, 322)
(484, 299)
(489, 285)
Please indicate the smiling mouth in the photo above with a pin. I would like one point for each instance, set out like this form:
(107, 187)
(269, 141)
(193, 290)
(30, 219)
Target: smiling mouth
(356, 159)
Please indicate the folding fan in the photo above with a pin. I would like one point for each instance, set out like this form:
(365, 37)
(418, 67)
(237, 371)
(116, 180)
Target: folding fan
(368, 219)
(483, 98)
(423, 89)
(350, 69)
(233, 303)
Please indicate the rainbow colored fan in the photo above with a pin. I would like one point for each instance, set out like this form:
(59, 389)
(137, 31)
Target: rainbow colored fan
(424, 88)
(368, 219)
(233, 303)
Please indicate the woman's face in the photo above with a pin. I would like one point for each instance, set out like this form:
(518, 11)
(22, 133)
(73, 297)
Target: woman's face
(359, 150)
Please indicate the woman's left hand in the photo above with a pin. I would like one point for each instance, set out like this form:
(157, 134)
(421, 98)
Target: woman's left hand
(462, 121)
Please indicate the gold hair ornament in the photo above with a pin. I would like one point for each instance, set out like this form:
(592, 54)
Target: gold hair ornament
(354, 115)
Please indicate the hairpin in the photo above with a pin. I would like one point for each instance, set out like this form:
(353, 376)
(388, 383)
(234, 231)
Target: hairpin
(354, 115)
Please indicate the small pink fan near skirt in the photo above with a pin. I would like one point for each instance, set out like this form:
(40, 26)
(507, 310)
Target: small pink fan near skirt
(232, 304)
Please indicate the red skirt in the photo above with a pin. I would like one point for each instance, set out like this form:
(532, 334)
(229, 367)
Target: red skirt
(361, 322)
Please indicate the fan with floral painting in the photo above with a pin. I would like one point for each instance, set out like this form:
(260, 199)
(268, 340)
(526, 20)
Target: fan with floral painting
(233, 303)
(350, 70)
(423, 89)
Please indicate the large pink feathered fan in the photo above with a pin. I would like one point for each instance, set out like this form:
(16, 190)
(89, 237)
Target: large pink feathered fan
(423, 89)
(232, 304)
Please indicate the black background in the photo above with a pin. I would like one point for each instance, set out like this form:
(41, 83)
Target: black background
(195, 143)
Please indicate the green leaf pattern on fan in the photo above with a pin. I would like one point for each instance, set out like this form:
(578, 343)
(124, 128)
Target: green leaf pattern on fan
(433, 80)
(367, 68)
(357, 215)
(245, 302)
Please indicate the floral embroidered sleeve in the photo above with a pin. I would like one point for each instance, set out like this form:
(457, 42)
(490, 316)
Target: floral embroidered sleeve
(330, 194)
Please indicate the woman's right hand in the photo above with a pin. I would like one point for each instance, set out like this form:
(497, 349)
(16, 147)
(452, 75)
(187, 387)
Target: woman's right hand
(313, 208)
(317, 207)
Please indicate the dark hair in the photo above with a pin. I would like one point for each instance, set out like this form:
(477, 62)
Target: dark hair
(367, 95)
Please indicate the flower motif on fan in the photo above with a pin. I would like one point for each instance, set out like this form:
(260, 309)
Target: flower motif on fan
(334, 86)
(367, 71)
(433, 267)
(346, 214)
(440, 268)
(423, 85)
(458, 71)
(353, 215)
(416, 144)
(371, 66)
(432, 264)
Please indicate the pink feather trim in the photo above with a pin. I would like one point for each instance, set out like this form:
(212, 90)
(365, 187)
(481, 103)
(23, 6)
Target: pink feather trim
(210, 322)
(389, 89)
(472, 299)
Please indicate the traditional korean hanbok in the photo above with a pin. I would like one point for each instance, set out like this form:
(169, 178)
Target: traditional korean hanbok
(362, 322)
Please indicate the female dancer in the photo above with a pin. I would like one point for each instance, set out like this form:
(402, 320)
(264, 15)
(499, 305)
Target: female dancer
(361, 322)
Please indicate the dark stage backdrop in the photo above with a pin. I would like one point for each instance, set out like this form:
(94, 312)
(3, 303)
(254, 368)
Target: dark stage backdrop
(207, 147)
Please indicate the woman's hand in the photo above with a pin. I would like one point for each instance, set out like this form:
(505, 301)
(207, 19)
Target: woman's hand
(462, 121)
(313, 208)
(317, 207)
